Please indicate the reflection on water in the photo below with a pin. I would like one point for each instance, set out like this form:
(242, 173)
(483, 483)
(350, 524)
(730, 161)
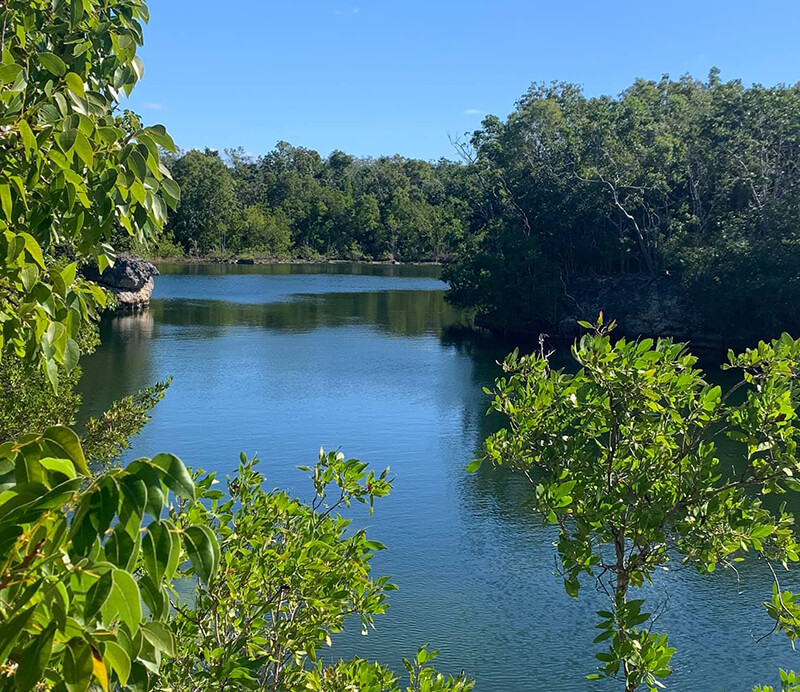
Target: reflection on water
(280, 359)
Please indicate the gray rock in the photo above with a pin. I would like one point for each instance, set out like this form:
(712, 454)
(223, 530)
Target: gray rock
(130, 280)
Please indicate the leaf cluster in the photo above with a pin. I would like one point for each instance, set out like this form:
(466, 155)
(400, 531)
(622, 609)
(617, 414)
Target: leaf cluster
(87, 565)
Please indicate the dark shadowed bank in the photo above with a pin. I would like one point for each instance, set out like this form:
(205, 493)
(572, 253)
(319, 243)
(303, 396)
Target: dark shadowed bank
(642, 305)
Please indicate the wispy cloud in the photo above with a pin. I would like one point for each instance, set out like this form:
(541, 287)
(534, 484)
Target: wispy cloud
(154, 106)
(354, 10)
(472, 111)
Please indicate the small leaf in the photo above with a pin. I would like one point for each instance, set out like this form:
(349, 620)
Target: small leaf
(473, 466)
(75, 84)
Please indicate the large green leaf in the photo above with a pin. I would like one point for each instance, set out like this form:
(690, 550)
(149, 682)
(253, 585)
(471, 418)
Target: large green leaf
(176, 476)
(203, 550)
(77, 667)
(160, 636)
(157, 548)
(34, 659)
(125, 600)
(97, 596)
(67, 440)
(53, 63)
(119, 660)
(11, 629)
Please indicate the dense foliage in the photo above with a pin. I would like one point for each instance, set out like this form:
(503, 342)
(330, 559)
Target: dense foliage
(623, 459)
(699, 180)
(292, 574)
(292, 202)
(73, 170)
(78, 563)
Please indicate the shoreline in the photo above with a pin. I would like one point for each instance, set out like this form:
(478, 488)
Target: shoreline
(274, 260)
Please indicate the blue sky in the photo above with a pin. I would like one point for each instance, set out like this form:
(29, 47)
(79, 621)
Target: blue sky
(375, 77)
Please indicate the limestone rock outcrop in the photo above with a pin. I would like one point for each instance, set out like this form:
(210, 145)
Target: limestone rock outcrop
(130, 280)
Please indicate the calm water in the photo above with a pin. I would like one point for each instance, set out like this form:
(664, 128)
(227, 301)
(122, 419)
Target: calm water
(279, 360)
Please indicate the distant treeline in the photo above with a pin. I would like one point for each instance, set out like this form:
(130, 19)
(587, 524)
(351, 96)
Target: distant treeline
(293, 202)
(696, 179)
(699, 180)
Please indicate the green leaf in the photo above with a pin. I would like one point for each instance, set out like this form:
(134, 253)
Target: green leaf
(203, 551)
(72, 354)
(67, 440)
(161, 137)
(77, 666)
(10, 73)
(84, 150)
(5, 200)
(121, 548)
(125, 600)
(176, 476)
(117, 659)
(8, 537)
(33, 249)
(160, 637)
(157, 547)
(69, 272)
(67, 139)
(34, 660)
(28, 138)
(11, 629)
(97, 596)
(172, 192)
(75, 84)
(154, 597)
(473, 466)
(64, 466)
(52, 63)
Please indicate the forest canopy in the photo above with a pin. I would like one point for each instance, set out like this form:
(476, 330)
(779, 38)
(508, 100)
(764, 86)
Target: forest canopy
(294, 202)
(683, 178)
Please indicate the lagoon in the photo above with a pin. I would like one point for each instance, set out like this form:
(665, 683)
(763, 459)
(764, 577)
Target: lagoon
(280, 359)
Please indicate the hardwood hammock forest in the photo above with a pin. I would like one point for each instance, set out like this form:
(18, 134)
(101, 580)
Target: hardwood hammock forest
(154, 575)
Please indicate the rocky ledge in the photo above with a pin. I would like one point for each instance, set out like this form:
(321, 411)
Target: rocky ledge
(130, 280)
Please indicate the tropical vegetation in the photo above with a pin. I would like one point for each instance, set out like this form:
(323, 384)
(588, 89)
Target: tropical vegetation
(693, 180)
